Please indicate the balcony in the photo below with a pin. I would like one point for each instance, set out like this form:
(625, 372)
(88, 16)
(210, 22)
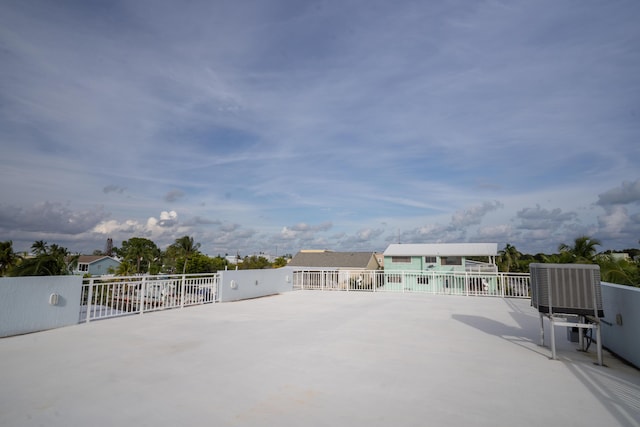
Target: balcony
(315, 358)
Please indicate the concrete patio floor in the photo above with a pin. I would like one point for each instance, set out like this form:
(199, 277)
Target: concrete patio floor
(310, 358)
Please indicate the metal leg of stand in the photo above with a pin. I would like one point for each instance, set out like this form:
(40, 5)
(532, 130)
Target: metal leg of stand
(581, 335)
(599, 344)
(553, 338)
(541, 329)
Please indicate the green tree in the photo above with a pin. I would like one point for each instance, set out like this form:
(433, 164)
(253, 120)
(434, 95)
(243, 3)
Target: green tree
(219, 263)
(139, 252)
(619, 271)
(186, 248)
(170, 259)
(582, 251)
(509, 257)
(39, 247)
(279, 262)
(254, 262)
(199, 263)
(8, 258)
(126, 268)
(53, 260)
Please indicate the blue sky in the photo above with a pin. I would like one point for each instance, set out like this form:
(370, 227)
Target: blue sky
(275, 126)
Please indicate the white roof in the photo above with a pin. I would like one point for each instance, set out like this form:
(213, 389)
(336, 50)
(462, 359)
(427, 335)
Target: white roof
(442, 249)
(312, 358)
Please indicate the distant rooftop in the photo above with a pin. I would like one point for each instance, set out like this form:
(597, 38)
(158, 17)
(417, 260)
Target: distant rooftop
(442, 249)
(330, 259)
(309, 358)
(88, 259)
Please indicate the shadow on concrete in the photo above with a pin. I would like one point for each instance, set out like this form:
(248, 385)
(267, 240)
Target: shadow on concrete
(512, 334)
(613, 389)
(618, 388)
(526, 334)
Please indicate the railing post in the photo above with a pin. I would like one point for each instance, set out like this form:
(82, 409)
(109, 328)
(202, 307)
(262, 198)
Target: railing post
(502, 284)
(182, 293)
(143, 290)
(89, 298)
(466, 283)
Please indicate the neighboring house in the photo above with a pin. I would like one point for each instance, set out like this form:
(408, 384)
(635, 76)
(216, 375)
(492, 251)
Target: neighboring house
(380, 258)
(323, 259)
(268, 257)
(233, 259)
(96, 265)
(337, 270)
(441, 256)
(432, 264)
(620, 256)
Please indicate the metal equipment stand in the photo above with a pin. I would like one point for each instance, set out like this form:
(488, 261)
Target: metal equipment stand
(584, 322)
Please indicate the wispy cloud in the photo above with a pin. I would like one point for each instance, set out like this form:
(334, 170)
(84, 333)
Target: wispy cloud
(260, 124)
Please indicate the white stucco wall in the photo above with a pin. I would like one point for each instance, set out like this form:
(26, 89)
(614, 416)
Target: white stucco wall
(237, 285)
(621, 323)
(25, 307)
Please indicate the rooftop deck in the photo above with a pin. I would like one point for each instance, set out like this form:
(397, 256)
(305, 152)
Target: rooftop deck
(315, 358)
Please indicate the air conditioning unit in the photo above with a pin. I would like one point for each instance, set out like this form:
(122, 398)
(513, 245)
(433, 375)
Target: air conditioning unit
(566, 289)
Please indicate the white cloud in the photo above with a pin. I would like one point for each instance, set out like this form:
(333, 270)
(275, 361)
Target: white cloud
(628, 192)
(474, 214)
(502, 233)
(311, 119)
(112, 227)
(170, 216)
(614, 223)
(539, 219)
(288, 234)
(50, 217)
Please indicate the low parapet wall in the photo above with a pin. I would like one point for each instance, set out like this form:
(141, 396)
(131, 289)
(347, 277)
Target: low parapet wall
(237, 285)
(31, 304)
(621, 324)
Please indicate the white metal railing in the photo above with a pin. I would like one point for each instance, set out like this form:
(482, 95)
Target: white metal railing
(505, 285)
(112, 296)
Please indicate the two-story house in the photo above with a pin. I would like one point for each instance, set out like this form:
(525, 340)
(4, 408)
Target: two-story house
(440, 265)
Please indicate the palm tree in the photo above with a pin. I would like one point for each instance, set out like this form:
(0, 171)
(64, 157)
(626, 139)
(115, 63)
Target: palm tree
(39, 247)
(509, 257)
(186, 247)
(139, 249)
(53, 260)
(583, 249)
(8, 258)
(126, 268)
(619, 271)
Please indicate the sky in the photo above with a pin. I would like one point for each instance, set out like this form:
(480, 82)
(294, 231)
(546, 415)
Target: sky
(279, 125)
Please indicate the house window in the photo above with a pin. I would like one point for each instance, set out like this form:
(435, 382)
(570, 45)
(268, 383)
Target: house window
(83, 267)
(451, 260)
(401, 259)
(430, 260)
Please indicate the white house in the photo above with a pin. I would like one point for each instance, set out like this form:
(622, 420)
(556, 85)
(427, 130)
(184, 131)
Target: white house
(441, 267)
(441, 257)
